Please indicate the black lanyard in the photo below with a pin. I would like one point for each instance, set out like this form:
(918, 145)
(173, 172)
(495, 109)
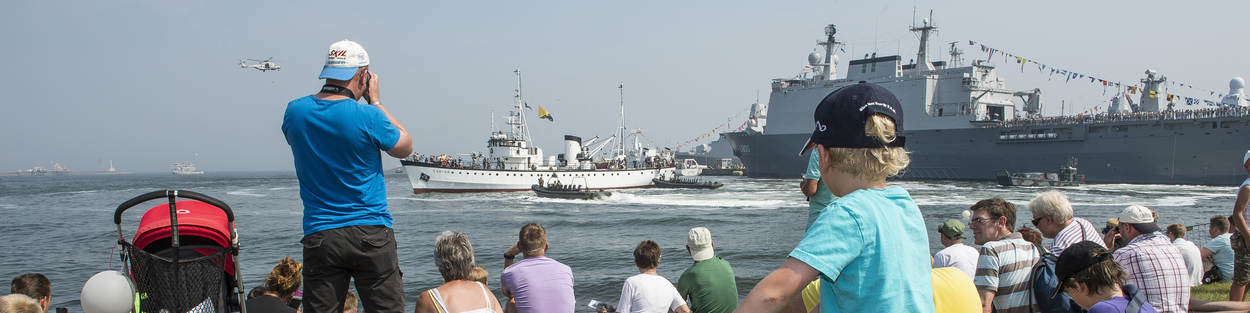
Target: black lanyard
(338, 90)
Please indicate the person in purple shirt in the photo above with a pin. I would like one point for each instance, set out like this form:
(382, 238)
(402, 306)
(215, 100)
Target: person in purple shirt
(1093, 279)
(536, 284)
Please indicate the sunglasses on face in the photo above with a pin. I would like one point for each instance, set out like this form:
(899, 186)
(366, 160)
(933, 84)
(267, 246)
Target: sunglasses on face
(1037, 220)
(981, 220)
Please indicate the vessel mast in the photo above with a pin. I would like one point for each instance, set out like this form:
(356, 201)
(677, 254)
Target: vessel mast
(830, 68)
(620, 150)
(517, 119)
(922, 58)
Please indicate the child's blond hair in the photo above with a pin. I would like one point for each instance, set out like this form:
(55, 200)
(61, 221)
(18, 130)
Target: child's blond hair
(478, 274)
(872, 162)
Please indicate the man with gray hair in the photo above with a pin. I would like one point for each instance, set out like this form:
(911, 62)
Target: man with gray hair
(1053, 217)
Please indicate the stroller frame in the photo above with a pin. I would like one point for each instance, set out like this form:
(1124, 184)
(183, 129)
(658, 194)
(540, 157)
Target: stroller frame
(176, 240)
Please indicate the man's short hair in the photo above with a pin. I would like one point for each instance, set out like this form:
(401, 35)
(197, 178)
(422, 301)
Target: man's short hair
(997, 207)
(1053, 204)
(647, 255)
(1176, 230)
(32, 285)
(19, 303)
(533, 239)
(1220, 222)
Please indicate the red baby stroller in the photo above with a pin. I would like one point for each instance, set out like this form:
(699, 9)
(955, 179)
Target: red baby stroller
(184, 255)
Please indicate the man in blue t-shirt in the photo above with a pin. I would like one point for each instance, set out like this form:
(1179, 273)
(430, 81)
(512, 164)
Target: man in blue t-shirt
(347, 228)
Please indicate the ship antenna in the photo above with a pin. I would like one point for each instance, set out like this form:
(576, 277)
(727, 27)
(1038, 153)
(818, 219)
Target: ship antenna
(621, 132)
(519, 127)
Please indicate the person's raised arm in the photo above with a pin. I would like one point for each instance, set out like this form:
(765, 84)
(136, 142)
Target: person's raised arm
(775, 290)
(402, 147)
(1239, 211)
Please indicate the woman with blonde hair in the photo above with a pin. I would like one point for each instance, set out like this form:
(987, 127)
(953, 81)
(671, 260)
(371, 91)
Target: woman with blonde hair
(280, 286)
(868, 247)
(453, 254)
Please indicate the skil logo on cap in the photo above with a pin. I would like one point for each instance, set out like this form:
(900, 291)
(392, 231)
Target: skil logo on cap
(886, 106)
(338, 53)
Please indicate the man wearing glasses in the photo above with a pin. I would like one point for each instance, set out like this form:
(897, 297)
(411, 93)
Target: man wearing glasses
(1053, 217)
(1006, 258)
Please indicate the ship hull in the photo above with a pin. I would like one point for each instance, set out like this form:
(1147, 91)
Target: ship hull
(1203, 152)
(432, 178)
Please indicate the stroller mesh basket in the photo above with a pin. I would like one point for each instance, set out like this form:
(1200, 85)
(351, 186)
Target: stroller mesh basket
(184, 256)
(192, 284)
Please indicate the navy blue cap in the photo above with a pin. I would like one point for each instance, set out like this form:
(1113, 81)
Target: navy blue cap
(1076, 258)
(842, 115)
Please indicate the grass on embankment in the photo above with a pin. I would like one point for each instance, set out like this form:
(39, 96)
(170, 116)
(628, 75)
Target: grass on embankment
(1211, 292)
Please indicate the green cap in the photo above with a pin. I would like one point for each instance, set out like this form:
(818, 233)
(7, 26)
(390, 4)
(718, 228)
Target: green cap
(952, 228)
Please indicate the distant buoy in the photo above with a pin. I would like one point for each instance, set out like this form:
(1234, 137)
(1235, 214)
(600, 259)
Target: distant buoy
(108, 292)
(966, 214)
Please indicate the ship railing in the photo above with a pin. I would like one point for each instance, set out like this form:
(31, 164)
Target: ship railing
(1119, 117)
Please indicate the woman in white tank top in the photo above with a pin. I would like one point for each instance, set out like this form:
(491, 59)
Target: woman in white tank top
(454, 256)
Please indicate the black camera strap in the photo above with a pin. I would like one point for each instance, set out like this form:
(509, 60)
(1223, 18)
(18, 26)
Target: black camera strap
(338, 91)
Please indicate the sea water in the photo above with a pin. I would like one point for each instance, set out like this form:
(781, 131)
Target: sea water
(62, 226)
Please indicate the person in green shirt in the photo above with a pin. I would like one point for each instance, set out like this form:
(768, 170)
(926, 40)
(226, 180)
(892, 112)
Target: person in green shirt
(818, 196)
(709, 284)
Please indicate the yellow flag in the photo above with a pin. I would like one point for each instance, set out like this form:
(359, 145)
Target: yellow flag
(543, 114)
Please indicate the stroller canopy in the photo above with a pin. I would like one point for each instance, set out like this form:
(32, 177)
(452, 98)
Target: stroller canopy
(199, 223)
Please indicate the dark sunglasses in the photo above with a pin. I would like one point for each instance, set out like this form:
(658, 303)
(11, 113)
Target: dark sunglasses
(1036, 220)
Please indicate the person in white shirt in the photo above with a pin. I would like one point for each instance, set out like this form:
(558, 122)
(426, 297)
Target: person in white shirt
(1193, 259)
(956, 254)
(648, 292)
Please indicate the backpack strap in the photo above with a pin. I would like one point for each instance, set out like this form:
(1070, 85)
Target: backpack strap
(1135, 304)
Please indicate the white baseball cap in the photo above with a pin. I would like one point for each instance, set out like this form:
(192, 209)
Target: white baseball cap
(344, 59)
(1140, 217)
(1245, 158)
(700, 244)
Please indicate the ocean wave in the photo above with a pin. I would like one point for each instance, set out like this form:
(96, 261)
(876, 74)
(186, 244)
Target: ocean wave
(282, 188)
(245, 192)
(703, 201)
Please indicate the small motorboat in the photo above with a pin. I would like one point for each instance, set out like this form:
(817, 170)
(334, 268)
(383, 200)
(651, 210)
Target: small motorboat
(1066, 177)
(686, 183)
(569, 192)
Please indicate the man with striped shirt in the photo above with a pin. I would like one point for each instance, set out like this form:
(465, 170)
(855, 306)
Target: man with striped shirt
(1006, 259)
(1053, 217)
(1152, 263)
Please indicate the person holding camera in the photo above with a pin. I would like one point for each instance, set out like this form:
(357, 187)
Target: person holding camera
(335, 141)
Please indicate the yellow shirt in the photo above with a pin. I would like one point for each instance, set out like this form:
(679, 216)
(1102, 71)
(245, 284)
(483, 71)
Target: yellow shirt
(953, 291)
(811, 295)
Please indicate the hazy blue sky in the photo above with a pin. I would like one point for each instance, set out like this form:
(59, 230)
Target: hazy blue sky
(147, 83)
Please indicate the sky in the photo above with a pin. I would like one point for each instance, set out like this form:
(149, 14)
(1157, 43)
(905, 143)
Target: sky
(149, 83)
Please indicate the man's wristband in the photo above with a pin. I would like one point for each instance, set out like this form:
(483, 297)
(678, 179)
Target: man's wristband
(508, 257)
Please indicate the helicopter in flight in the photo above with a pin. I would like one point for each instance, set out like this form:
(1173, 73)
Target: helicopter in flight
(262, 65)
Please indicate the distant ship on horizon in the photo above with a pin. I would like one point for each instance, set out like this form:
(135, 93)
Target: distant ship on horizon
(185, 169)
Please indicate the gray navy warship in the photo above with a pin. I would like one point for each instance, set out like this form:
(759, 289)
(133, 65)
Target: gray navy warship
(962, 123)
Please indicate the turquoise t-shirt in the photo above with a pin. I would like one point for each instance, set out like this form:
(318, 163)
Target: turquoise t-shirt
(871, 248)
(1222, 254)
(823, 196)
(335, 144)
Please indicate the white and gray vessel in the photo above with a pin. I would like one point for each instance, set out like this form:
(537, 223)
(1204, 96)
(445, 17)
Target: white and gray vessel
(963, 123)
(511, 163)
